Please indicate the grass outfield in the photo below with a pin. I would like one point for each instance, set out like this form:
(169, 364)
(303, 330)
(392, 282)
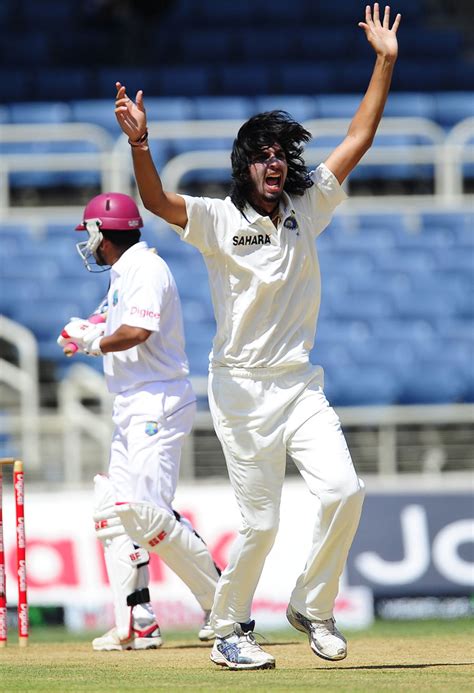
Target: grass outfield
(409, 656)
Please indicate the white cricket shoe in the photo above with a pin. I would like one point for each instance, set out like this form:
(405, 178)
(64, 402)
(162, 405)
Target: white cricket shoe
(324, 638)
(240, 650)
(148, 638)
(207, 632)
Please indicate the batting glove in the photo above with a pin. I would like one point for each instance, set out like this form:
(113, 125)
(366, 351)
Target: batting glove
(91, 343)
(78, 336)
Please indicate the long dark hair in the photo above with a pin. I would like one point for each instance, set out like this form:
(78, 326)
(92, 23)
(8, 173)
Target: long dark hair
(259, 132)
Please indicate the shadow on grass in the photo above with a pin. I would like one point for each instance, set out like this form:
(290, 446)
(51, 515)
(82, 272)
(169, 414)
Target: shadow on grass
(397, 666)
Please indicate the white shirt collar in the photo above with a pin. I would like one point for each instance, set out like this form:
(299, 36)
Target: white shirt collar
(124, 259)
(252, 216)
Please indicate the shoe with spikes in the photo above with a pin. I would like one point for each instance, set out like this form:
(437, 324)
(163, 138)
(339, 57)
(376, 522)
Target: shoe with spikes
(148, 638)
(324, 638)
(240, 650)
(206, 632)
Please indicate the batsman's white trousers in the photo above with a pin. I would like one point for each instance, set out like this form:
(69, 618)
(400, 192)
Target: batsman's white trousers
(151, 423)
(258, 419)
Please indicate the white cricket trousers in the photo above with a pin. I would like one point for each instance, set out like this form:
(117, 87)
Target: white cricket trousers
(258, 420)
(151, 424)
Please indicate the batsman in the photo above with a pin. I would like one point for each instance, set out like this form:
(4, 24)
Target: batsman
(139, 332)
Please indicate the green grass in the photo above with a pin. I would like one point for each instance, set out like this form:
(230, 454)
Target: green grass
(429, 627)
(391, 656)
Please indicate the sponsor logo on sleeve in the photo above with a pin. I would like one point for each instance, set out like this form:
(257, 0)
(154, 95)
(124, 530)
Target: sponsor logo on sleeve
(144, 312)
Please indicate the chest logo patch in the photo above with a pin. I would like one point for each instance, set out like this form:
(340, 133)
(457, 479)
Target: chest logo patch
(115, 298)
(151, 428)
(252, 239)
(290, 223)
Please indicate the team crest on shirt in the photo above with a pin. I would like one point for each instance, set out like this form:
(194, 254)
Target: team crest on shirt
(151, 428)
(290, 223)
(115, 298)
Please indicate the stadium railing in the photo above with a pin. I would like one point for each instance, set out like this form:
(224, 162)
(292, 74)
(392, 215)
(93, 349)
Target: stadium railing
(23, 380)
(423, 143)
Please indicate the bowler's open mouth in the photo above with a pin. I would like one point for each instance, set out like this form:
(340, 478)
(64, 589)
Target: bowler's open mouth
(273, 182)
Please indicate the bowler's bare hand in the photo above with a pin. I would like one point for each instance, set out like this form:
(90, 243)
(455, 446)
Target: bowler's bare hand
(131, 115)
(381, 37)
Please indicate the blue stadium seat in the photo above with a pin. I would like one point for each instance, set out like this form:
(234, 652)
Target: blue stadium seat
(362, 386)
(67, 45)
(17, 47)
(60, 83)
(17, 83)
(348, 13)
(357, 78)
(282, 12)
(218, 175)
(361, 238)
(422, 239)
(304, 78)
(391, 283)
(454, 329)
(6, 12)
(14, 293)
(455, 288)
(301, 108)
(169, 108)
(362, 305)
(96, 111)
(412, 330)
(425, 75)
(194, 80)
(267, 44)
(461, 222)
(199, 335)
(401, 171)
(49, 13)
(421, 42)
(458, 258)
(46, 324)
(222, 108)
(349, 262)
(337, 105)
(244, 78)
(452, 107)
(407, 104)
(331, 354)
(227, 13)
(207, 45)
(45, 178)
(39, 112)
(412, 261)
(394, 355)
(414, 305)
(161, 152)
(344, 332)
(196, 144)
(26, 266)
(134, 78)
(432, 382)
(454, 351)
(321, 43)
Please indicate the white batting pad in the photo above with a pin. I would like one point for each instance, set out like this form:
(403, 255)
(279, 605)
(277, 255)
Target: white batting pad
(187, 555)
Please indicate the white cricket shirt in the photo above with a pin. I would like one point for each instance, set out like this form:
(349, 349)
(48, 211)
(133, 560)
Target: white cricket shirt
(265, 281)
(143, 293)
